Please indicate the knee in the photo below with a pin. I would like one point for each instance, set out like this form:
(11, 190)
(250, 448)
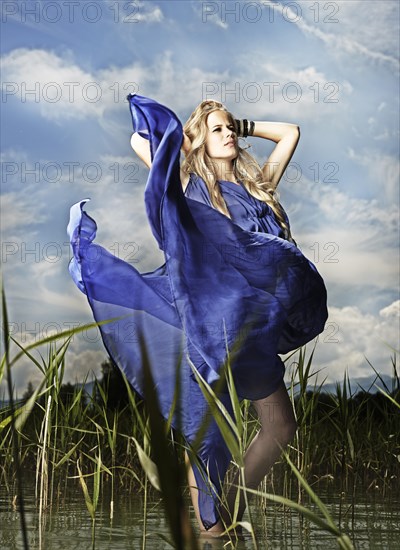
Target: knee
(282, 432)
(289, 431)
(288, 427)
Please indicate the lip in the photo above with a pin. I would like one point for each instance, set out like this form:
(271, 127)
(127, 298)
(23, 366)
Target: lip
(229, 143)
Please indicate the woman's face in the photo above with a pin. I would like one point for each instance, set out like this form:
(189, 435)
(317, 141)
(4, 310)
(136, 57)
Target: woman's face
(221, 141)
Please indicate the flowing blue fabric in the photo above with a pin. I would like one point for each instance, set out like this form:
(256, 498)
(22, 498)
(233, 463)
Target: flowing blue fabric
(223, 281)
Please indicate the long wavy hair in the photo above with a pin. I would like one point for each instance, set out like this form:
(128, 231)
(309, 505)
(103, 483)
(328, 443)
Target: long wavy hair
(245, 167)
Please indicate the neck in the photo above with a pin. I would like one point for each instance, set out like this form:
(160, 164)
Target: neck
(224, 170)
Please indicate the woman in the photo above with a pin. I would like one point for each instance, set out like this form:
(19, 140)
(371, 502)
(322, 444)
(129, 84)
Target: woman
(232, 273)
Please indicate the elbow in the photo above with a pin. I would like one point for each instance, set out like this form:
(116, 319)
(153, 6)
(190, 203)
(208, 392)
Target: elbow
(295, 133)
(292, 133)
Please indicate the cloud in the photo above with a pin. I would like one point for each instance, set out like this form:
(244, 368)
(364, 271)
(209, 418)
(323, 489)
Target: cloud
(148, 12)
(206, 11)
(123, 224)
(35, 248)
(56, 85)
(383, 170)
(332, 205)
(18, 211)
(289, 93)
(338, 206)
(352, 241)
(348, 28)
(322, 215)
(82, 361)
(352, 338)
(391, 312)
(60, 89)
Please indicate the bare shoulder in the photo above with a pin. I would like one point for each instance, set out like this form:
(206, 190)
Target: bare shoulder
(184, 180)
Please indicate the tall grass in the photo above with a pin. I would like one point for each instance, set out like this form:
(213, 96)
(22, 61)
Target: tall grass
(13, 432)
(76, 438)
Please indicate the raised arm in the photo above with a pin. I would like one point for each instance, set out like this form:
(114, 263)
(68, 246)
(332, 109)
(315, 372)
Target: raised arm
(286, 137)
(141, 147)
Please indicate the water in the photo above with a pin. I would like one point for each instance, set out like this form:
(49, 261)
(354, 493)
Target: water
(67, 524)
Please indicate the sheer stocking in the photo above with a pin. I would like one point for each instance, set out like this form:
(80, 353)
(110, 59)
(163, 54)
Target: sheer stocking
(278, 427)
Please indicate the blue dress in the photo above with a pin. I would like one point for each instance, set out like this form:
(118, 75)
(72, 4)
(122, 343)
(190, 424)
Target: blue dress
(223, 280)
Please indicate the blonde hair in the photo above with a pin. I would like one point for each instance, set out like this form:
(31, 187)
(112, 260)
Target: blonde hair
(245, 167)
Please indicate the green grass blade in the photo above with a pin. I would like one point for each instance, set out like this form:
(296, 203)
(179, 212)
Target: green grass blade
(96, 482)
(148, 466)
(88, 500)
(343, 540)
(222, 417)
(16, 458)
(311, 493)
(171, 473)
(68, 454)
(64, 334)
(27, 408)
(396, 403)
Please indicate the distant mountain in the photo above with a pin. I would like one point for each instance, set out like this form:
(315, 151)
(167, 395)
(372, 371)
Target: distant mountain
(366, 383)
(357, 384)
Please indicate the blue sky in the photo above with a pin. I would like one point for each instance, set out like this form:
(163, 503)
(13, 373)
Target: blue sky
(330, 67)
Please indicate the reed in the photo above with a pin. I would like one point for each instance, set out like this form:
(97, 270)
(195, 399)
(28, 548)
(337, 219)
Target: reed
(13, 432)
(71, 437)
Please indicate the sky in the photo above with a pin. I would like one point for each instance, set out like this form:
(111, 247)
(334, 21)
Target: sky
(329, 67)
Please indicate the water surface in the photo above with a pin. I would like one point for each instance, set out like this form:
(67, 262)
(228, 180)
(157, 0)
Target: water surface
(374, 523)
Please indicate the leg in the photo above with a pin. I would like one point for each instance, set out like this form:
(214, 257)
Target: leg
(218, 528)
(278, 427)
(212, 451)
